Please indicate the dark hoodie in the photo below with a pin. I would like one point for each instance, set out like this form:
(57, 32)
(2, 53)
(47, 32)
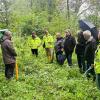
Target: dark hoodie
(69, 44)
(8, 51)
(80, 46)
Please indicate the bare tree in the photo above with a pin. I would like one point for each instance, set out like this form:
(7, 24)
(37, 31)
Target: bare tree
(68, 10)
(5, 12)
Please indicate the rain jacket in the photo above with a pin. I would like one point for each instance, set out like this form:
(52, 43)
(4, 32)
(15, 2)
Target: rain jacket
(8, 51)
(34, 43)
(48, 40)
(97, 61)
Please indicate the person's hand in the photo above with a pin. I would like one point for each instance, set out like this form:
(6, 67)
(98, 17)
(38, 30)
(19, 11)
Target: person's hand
(62, 49)
(92, 65)
(49, 42)
(38, 46)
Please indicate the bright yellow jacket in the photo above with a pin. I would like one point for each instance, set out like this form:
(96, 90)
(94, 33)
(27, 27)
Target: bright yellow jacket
(34, 43)
(97, 61)
(48, 40)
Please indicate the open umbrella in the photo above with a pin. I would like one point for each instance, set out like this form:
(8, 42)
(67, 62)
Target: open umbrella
(86, 25)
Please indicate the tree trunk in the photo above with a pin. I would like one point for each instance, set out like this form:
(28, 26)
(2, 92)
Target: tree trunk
(68, 12)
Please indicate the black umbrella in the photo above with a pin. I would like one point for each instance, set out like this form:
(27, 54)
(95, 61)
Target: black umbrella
(86, 25)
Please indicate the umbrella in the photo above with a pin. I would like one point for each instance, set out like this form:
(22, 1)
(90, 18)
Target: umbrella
(86, 25)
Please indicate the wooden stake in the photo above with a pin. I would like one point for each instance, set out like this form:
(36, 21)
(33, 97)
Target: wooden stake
(16, 69)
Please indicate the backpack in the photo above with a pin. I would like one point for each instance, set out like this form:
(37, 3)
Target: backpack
(61, 59)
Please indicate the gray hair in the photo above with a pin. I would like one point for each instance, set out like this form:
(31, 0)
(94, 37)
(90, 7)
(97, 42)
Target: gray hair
(87, 34)
(7, 33)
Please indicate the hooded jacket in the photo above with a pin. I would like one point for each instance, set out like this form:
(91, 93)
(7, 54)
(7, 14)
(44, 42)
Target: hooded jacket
(8, 51)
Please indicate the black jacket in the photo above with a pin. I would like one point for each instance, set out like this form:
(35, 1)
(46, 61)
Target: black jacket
(69, 44)
(89, 54)
(80, 47)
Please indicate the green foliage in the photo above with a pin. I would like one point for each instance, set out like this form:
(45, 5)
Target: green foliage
(38, 80)
(29, 27)
(95, 19)
(41, 81)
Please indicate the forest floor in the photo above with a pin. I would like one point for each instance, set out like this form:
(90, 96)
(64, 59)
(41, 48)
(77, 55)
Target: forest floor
(41, 81)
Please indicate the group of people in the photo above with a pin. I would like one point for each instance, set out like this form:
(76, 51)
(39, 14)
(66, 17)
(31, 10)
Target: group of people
(86, 49)
(61, 45)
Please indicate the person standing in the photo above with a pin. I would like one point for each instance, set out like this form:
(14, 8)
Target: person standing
(48, 44)
(97, 64)
(80, 48)
(69, 44)
(9, 54)
(34, 43)
(89, 53)
(59, 48)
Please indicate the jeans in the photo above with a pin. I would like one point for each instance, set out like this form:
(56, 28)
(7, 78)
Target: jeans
(60, 57)
(69, 59)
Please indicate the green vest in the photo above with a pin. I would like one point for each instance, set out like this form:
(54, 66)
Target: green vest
(34, 43)
(48, 40)
(97, 61)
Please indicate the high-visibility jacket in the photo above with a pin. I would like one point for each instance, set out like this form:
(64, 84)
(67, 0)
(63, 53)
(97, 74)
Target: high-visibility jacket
(34, 43)
(97, 61)
(48, 40)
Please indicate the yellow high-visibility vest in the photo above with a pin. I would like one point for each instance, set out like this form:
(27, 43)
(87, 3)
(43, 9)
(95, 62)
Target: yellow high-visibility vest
(97, 61)
(34, 43)
(48, 40)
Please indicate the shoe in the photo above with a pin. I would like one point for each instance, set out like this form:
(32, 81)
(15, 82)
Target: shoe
(70, 65)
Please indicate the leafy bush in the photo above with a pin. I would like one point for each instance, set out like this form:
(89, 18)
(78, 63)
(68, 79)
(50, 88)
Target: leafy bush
(41, 81)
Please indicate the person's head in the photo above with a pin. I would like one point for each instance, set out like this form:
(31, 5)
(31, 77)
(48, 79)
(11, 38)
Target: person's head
(46, 32)
(58, 35)
(79, 31)
(33, 34)
(67, 33)
(8, 34)
(87, 34)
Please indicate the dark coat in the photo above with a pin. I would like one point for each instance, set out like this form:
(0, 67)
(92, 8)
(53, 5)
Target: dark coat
(59, 45)
(69, 44)
(89, 54)
(80, 47)
(8, 51)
